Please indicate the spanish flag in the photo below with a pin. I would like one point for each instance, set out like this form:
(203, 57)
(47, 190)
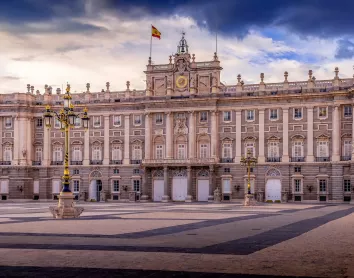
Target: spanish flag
(155, 33)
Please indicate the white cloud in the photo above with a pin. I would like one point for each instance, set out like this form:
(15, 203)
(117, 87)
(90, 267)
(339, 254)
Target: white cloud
(121, 54)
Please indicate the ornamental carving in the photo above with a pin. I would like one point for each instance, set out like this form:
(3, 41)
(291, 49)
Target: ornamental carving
(273, 173)
(158, 174)
(203, 130)
(181, 66)
(96, 174)
(203, 173)
(180, 126)
(179, 173)
(159, 132)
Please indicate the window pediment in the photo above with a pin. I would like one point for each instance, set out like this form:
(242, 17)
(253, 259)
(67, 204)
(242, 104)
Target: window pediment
(227, 140)
(136, 142)
(77, 143)
(117, 141)
(57, 143)
(7, 143)
(298, 137)
(273, 138)
(250, 138)
(347, 135)
(97, 142)
(323, 137)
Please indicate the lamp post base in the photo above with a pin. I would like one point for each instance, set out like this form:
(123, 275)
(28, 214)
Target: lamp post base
(250, 200)
(66, 207)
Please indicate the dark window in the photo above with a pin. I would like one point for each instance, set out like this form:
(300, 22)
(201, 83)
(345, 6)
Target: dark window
(226, 170)
(297, 169)
(136, 184)
(115, 171)
(346, 185)
(136, 171)
(76, 172)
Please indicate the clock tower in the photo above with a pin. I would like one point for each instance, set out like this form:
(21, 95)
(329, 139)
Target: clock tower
(183, 76)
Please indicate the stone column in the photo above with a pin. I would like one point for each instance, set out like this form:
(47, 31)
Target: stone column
(169, 151)
(86, 160)
(126, 159)
(15, 158)
(189, 184)
(46, 146)
(106, 141)
(353, 140)
(1, 146)
(214, 135)
(336, 134)
(22, 142)
(238, 142)
(144, 183)
(211, 183)
(147, 136)
(310, 157)
(261, 157)
(191, 134)
(165, 197)
(29, 146)
(285, 157)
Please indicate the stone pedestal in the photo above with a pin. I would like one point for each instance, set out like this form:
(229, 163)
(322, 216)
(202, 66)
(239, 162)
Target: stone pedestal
(284, 197)
(188, 199)
(66, 207)
(210, 198)
(217, 195)
(250, 200)
(144, 198)
(260, 196)
(165, 199)
(132, 196)
(352, 198)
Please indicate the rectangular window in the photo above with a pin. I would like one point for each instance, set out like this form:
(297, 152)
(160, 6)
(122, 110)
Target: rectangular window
(322, 112)
(76, 188)
(115, 171)
(77, 122)
(96, 121)
(8, 122)
(297, 113)
(203, 116)
(7, 153)
(322, 149)
(137, 119)
(181, 151)
(136, 171)
(115, 185)
(136, 152)
(297, 169)
(136, 184)
(227, 116)
(159, 152)
(116, 120)
(273, 114)
(297, 151)
(76, 171)
(96, 153)
(250, 115)
(116, 152)
(58, 154)
(226, 186)
(159, 118)
(39, 123)
(346, 186)
(273, 149)
(250, 149)
(297, 185)
(226, 153)
(203, 150)
(56, 123)
(77, 153)
(226, 170)
(348, 111)
(323, 185)
(38, 154)
(347, 148)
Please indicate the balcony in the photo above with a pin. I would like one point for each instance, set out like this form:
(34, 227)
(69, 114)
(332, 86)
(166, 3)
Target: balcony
(181, 162)
(75, 162)
(95, 162)
(323, 159)
(5, 162)
(115, 162)
(297, 159)
(56, 162)
(226, 160)
(135, 161)
(273, 159)
(345, 158)
(36, 163)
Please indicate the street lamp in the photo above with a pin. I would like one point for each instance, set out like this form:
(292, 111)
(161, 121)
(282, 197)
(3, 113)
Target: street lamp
(248, 161)
(66, 117)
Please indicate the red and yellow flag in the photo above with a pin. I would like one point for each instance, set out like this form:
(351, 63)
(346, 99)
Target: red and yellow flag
(155, 33)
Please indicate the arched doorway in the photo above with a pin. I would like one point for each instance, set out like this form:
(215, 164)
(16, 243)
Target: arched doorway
(273, 185)
(95, 186)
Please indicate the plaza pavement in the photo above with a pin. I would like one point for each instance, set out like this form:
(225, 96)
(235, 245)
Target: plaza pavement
(178, 240)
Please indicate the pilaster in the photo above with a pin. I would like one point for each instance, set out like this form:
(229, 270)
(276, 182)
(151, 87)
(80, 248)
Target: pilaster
(22, 142)
(16, 122)
(261, 157)
(189, 184)
(191, 134)
(353, 137)
(238, 142)
(29, 147)
(1, 141)
(310, 157)
(211, 183)
(147, 136)
(169, 119)
(285, 157)
(86, 160)
(46, 146)
(214, 133)
(106, 141)
(165, 197)
(336, 134)
(126, 159)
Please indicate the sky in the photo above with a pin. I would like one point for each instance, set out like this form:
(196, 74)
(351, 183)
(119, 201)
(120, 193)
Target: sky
(97, 41)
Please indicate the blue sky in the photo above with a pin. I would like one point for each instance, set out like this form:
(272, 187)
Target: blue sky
(95, 41)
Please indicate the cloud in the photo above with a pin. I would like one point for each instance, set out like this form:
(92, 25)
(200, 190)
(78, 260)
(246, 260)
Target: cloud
(345, 49)
(9, 78)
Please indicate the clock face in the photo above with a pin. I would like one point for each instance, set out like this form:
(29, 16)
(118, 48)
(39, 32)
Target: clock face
(181, 81)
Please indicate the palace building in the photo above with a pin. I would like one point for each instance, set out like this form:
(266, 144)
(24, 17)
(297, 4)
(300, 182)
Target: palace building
(183, 137)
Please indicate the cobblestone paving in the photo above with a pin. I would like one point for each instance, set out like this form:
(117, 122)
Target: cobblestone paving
(178, 240)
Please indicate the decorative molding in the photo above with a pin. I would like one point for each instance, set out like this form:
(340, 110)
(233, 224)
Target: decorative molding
(179, 173)
(273, 172)
(203, 173)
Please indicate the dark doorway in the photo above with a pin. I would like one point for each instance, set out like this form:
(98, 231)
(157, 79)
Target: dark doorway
(99, 188)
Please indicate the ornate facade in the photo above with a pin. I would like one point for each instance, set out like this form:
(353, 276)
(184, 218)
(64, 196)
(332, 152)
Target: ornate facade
(183, 137)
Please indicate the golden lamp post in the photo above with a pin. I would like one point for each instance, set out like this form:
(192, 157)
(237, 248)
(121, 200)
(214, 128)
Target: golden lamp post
(66, 118)
(248, 161)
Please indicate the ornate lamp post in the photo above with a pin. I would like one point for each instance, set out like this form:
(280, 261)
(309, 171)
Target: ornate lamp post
(249, 161)
(66, 117)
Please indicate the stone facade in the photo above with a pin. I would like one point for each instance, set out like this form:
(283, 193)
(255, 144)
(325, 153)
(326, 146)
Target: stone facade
(183, 137)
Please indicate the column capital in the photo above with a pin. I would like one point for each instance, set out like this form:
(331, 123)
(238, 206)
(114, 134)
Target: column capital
(309, 107)
(261, 110)
(147, 114)
(168, 113)
(285, 109)
(189, 168)
(214, 112)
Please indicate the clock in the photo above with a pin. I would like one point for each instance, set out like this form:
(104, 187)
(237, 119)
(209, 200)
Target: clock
(181, 81)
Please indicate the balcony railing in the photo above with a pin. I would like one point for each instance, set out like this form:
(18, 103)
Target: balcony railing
(226, 160)
(75, 162)
(297, 159)
(56, 162)
(345, 158)
(273, 159)
(180, 161)
(36, 163)
(5, 162)
(95, 162)
(135, 161)
(323, 159)
(115, 162)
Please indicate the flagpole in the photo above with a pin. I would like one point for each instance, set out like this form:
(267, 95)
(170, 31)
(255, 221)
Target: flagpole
(150, 41)
(216, 37)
